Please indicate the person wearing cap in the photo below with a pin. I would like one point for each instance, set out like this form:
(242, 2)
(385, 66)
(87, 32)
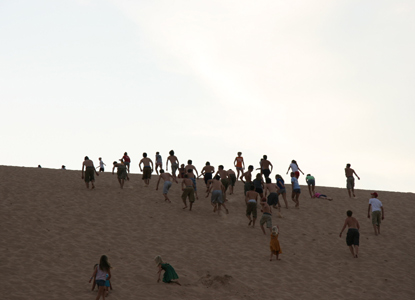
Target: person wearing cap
(350, 180)
(378, 213)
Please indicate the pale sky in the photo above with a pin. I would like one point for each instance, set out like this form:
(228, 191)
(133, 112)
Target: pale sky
(324, 82)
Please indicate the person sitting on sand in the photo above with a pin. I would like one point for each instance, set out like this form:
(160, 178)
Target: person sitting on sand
(311, 182)
(188, 191)
(100, 275)
(322, 196)
(266, 215)
(170, 275)
(251, 199)
(147, 168)
(121, 173)
(174, 162)
(352, 238)
(218, 190)
(274, 244)
(167, 183)
(89, 172)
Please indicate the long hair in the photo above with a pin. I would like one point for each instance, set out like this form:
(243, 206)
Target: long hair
(158, 260)
(104, 265)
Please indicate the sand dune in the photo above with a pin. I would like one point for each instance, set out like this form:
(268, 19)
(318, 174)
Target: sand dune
(53, 231)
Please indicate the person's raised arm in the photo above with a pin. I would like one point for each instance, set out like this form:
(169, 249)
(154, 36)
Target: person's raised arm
(171, 176)
(357, 224)
(197, 173)
(344, 226)
(383, 212)
(167, 164)
(151, 162)
(368, 212)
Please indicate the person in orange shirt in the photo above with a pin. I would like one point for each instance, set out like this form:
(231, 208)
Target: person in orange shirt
(239, 164)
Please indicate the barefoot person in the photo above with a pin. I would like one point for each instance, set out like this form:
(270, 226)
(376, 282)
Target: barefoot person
(170, 275)
(350, 180)
(274, 244)
(352, 238)
(259, 185)
(167, 183)
(239, 164)
(296, 191)
(322, 196)
(224, 178)
(378, 213)
(174, 162)
(188, 191)
(218, 190)
(190, 166)
(147, 168)
(232, 180)
(251, 199)
(126, 159)
(207, 173)
(159, 163)
(281, 188)
(311, 182)
(121, 172)
(266, 215)
(248, 179)
(265, 164)
(295, 168)
(273, 195)
(101, 165)
(89, 172)
(192, 177)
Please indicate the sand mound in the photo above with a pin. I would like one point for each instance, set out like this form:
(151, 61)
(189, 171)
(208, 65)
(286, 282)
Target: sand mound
(53, 231)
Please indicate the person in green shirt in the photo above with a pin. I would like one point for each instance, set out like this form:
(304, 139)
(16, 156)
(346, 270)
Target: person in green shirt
(311, 182)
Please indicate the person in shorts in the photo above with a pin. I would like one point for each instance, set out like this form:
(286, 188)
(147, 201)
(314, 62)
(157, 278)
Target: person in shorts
(232, 180)
(159, 162)
(167, 183)
(251, 199)
(378, 213)
(101, 165)
(266, 215)
(349, 172)
(239, 164)
(174, 162)
(352, 238)
(248, 179)
(311, 182)
(188, 189)
(218, 190)
(90, 171)
(126, 159)
(147, 170)
(281, 188)
(296, 191)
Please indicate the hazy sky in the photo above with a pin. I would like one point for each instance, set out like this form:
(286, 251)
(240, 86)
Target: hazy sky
(323, 82)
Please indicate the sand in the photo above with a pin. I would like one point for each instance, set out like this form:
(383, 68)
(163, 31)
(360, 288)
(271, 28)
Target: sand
(53, 231)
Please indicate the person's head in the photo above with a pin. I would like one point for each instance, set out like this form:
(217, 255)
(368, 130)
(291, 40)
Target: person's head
(278, 176)
(144, 154)
(374, 195)
(125, 153)
(104, 265)
(217, 177)
(171, 152)
(114, 163)
(348, 165)
(185, 176)
(258, 176)
(252, 187)
(161, 171)
(157, 153)
(190, 171)
(182, 165)
(268, 180)
(220, 167)
(189, 162)
(349, 213)
(86, 158)
(274, 230)
(251, 168)
(207, 163)
(63, 167)
(158, 260)
(293, 162)
(239, 153)
(100, 158)
(308, 174)
(292, 174)
(265, 157)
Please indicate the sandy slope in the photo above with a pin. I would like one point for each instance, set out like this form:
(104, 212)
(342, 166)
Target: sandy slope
(53, 231)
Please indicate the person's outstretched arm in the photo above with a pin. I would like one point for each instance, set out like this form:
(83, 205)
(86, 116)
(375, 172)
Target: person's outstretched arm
(356, 175)
(288, 169)
(167, 164)
(300, 170)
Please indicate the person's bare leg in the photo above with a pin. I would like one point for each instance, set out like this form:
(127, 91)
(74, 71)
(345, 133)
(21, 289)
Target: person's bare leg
(253, 222)
(87, 185)
(278, 255)
(191, 204)
(122, 183)
(297, 201)
(313, 191)
(250, 220)
(106, 291)
(351, 250)
(270, 257)
(376, 231)
(309, 190)
(185, 204)
(226, 209)
(92, 184)
(166, 198)
(101, 291)
(119, 181)
(350, 194)
(197, 197)
(284, 196)
(356, 250)
(262, 227)
(354, 196)
(378, 226)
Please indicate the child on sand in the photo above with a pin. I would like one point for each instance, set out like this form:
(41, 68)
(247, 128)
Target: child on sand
(170, 275)
(296, 191)
(182, 171)
(101, 165)
(311, 182)
(274, 244)
(107, 283)
(322, 196)
(100, 276)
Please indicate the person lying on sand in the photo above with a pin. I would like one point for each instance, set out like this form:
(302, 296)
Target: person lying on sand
(322, 196)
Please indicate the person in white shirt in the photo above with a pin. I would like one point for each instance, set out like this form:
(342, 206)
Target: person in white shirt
(378, 213)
